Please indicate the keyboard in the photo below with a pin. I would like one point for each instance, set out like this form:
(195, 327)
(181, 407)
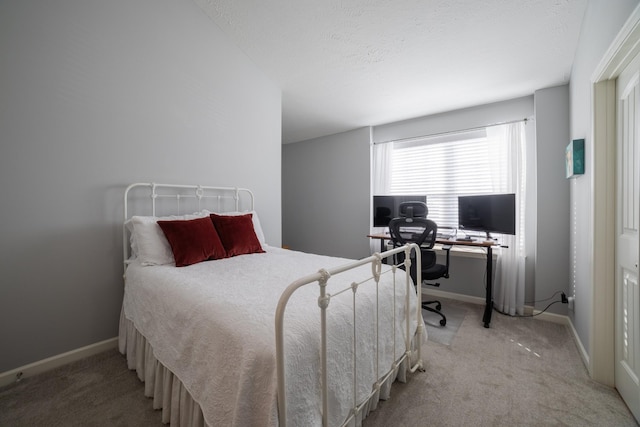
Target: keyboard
(445, 236)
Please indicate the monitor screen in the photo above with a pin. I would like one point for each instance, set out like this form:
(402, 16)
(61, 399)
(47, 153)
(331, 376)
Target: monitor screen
(492, 213)
(385, 208)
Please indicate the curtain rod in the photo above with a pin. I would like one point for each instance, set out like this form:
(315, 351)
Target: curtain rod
(451, 132)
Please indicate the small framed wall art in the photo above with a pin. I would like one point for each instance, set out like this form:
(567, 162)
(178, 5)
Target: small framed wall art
(575, 158)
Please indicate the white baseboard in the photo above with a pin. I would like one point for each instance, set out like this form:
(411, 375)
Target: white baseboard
(430, 292)
(549, 317)
(581, 350)
(49, 363)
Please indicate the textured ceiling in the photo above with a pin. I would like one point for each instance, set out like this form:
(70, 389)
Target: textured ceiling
(346, 64)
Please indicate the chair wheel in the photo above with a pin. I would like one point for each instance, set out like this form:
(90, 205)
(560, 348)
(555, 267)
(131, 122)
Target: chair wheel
(438, 306)
(443, 322)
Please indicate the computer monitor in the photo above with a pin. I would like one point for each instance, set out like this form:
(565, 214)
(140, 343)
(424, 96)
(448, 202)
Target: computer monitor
(385, 208)
(491, 213)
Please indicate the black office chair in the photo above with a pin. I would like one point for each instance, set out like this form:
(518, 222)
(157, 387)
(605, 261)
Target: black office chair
(422, 231)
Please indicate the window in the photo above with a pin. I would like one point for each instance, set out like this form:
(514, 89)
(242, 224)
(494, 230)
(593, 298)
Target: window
(443, 167)
(447, 166)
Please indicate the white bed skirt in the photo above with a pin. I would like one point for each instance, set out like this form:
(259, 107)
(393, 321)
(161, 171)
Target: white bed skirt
(178, 407)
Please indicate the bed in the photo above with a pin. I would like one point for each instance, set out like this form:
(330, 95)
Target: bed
(240, 333)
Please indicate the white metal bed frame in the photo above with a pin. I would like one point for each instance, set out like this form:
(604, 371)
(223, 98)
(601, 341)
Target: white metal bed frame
(201, 194)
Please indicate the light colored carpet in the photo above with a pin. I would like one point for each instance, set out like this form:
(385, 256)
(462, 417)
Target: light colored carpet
(455, 315)
(96, 391)
(520, 372)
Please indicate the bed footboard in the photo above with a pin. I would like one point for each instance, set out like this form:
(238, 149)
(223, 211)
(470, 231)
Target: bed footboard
(382, 373)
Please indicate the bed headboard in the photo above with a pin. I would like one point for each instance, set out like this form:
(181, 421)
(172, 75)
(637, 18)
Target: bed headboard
(152, 199)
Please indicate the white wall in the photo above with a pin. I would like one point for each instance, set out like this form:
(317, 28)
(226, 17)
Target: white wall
(96, 95)
(325, 194)
(603, 19)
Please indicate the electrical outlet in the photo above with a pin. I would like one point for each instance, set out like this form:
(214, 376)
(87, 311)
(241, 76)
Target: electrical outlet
(571, 301)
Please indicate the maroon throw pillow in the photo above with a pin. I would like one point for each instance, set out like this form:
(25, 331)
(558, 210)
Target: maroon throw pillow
(193, 240)
(237, 234)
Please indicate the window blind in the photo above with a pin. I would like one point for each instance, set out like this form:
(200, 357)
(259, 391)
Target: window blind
(445, 168)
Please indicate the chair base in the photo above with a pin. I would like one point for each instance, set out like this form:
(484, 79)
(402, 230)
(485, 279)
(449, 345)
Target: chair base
(438, 307)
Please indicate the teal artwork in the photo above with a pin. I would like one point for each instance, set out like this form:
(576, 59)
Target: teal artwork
(575, 158)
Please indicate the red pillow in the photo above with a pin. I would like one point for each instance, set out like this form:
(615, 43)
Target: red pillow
(237, 234)
(193, 240)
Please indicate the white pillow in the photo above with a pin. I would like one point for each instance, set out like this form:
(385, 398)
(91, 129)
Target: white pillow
(148, 242)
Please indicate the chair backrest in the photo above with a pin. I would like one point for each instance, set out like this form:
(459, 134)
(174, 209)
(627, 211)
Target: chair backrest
(421, 231)
(413, 210)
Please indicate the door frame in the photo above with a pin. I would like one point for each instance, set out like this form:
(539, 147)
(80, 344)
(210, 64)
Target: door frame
(623, 49)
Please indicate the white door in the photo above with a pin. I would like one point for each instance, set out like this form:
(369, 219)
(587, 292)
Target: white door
(627, 355)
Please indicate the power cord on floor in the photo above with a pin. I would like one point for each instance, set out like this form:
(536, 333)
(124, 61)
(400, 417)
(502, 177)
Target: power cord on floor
(563, 301)
(546, 299)
(525, 315)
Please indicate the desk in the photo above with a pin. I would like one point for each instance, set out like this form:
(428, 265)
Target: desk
(488, 307)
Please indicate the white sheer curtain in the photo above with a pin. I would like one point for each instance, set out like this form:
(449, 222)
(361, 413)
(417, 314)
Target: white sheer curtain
(382, 157)
(382, 160)
(508, 288)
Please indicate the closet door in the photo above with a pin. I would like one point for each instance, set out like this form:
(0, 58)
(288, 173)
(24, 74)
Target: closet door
(627, 355)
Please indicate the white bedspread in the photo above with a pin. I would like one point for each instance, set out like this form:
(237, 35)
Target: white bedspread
(212, 325)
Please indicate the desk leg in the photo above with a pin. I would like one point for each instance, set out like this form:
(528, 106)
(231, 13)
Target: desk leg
(488, 308)
(382, 248)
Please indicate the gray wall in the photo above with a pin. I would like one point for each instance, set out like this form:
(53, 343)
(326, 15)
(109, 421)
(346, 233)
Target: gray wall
(552, 237)
(325, 194)
(602, 22)
(467, 118)
(96, 95)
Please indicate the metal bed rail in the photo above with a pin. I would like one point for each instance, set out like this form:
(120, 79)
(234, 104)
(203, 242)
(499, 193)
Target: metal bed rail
(321, 278)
